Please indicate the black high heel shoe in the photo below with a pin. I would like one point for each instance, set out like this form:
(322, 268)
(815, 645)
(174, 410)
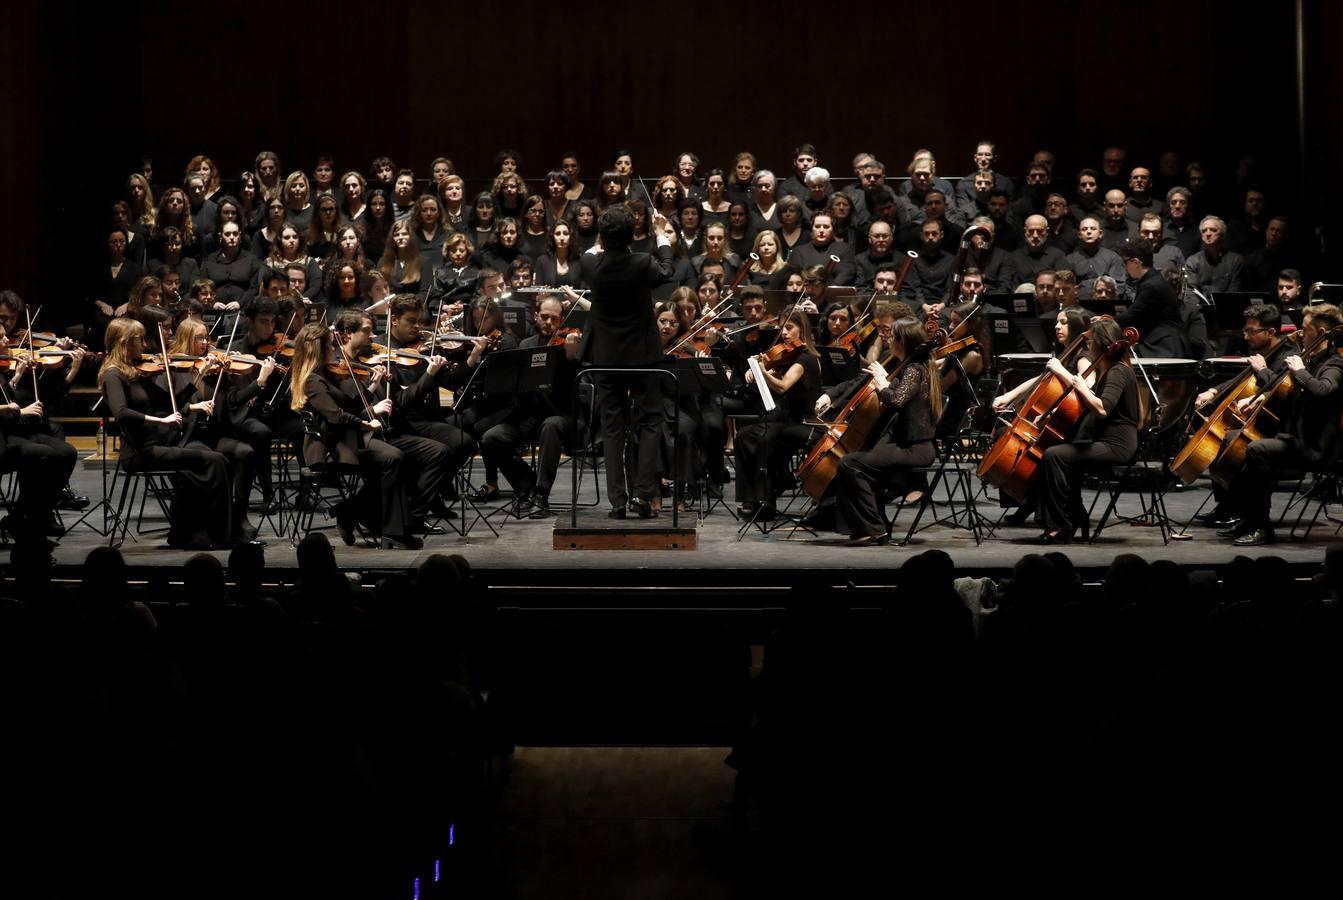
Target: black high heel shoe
(1058, 536)
(402, 542)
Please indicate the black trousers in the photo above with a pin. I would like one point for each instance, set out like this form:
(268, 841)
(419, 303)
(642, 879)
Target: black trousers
(631, 411)
(500, 435)
(424, 470)
(767, 447)
(388, 472)
(200, 513)
(1252, 488)
(555, 433)
(258, 435)
(460, 445)
(242, 470)
(1059, 486)
(711, 436)
(687, 427)
(861, 474)
(43, 464)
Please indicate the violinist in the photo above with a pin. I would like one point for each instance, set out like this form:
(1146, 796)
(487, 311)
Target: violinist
(1309, 437)
(497, 423)
(214, 428)
(53, 381)
(559, 424)
(43, 461)
(254, 416)
(837, 321)
(1267, 359)
(915, 401)
(152, 438)
(673, 325)
(883, 342)
(960, 370)
(416, 409)
(1107, 434)
(768, 445)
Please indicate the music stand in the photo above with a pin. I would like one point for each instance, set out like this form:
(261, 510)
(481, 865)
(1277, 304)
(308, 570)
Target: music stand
(837, 365)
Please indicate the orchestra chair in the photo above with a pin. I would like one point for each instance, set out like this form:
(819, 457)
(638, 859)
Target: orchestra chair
(954, 471)
(136, 479)
(1147, 475)
(1324, 490)
(323, 485)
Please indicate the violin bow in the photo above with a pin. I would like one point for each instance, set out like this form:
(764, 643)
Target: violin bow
(32, 355)
(359, 388)
(223, 366)
(167, 368)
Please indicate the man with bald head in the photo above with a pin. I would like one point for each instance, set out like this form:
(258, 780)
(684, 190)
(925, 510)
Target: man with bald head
(1116, 229)
(1036, 255)
(1214, 268)
(1091, 260)
(880, 237)
(1140, 199)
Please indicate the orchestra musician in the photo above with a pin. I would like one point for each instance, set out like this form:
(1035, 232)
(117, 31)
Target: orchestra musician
(42, 461)
(1309, 437)
(152, 438)
(1107, 434)
(1267, 359)
(915, 403)
(554, 407)
(766, 446)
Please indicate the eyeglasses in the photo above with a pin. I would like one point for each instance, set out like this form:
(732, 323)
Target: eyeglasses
(1249, 331)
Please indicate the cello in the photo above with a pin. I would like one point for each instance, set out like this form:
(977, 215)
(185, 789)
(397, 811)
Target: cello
(855, 423)
(1265, 416)
(1050, 413)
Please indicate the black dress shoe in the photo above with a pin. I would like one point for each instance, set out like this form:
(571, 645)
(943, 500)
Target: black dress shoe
(345, 524)
(1233, 529)
(70, 500)
(618, 513)
(868, 540)
(486, 495)
(1055, 537)
(1020, 516)
(442, 509)
(1258, 537)
(1217, 516)
(643, 509)
(540, 507)
(401, 542)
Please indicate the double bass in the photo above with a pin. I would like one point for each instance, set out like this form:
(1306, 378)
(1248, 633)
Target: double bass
(1049, 415)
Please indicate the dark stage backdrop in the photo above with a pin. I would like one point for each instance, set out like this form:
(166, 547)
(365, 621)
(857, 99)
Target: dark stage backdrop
(89, 92)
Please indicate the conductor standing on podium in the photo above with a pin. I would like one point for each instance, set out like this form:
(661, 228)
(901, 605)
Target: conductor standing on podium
(622, 333)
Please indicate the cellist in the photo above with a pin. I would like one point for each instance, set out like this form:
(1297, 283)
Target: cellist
(1309, 436)
(1106, 435)
(906, 442)
(1267, 359)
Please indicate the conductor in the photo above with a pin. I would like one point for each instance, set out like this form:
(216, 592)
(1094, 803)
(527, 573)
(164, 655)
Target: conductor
(622, 333)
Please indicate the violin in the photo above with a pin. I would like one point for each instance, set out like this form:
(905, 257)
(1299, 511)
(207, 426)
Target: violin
(349, 369)
(276, 348)
(241, 363)
(43, 357)
(180, 362)
(782, 355)
(558, 338)
(853, 339)
(401, 357)
(969, 342)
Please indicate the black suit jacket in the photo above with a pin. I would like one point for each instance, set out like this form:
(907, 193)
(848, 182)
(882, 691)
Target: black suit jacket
(621, 329)
(1155, 312)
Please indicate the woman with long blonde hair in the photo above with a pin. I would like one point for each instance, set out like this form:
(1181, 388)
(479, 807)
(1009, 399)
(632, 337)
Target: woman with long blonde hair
(347, 433)
(153, 437)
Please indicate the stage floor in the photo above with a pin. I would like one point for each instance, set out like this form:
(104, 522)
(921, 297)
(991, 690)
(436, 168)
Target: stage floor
(521, 557)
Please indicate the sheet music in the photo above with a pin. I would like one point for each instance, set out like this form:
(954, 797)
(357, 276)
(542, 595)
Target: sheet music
(765, 396)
